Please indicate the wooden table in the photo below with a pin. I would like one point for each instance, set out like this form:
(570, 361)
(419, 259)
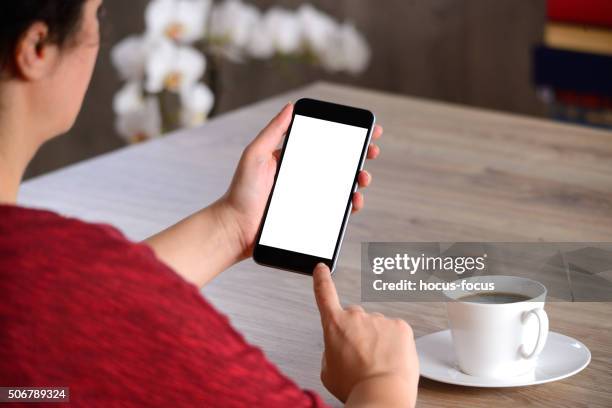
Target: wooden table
(446, 173)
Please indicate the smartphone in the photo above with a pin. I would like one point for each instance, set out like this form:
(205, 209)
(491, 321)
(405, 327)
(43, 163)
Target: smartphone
(311, 199)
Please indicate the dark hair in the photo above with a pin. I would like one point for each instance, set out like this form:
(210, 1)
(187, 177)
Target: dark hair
(63, 17)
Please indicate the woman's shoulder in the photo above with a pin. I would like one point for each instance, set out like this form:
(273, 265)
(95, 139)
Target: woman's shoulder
(44, 254)
(41, 234)
(45, 225)
(35, 243)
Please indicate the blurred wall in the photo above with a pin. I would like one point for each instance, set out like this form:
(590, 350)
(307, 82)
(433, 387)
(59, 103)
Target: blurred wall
(473, 52)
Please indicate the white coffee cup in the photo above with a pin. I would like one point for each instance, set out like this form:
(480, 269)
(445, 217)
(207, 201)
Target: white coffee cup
(498, 340)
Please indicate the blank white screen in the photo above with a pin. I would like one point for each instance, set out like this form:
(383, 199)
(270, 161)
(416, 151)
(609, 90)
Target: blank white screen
(313, 186)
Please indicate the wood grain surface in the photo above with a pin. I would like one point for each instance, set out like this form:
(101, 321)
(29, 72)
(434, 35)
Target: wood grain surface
(445, 173)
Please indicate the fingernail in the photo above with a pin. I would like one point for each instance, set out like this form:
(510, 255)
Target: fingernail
(320, 265)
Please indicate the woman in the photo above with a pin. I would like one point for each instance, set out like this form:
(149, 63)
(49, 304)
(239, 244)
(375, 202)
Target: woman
(122, 323)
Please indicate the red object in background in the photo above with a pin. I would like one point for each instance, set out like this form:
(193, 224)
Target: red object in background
(583, 100)
(592, 12)
(84, 308)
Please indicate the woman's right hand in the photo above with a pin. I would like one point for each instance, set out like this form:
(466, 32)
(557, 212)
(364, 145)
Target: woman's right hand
(368, 358)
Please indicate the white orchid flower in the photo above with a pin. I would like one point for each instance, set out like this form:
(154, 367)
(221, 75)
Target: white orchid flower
(261, 44)
(180, 20)
(347, 50)
(128, 98)
(129, 57)
(318, 28)
(357, 50)
(232, 22)
(285, 30)
(173, 67)
(140, 125)
(137, 118)
(196, 102)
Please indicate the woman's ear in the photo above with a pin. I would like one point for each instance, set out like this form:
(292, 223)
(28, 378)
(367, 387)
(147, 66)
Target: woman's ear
(35, 56)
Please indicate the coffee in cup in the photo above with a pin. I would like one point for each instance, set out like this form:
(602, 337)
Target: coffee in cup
(498, 333)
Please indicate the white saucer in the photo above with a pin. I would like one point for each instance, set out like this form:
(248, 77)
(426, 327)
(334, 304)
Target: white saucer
(562, 357)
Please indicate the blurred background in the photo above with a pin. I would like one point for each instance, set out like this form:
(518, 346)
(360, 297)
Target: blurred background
(524, 57)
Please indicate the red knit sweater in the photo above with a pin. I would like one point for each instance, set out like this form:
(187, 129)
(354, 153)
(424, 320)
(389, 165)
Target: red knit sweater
(82, 307)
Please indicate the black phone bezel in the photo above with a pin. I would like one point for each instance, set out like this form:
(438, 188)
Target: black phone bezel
(295, 261)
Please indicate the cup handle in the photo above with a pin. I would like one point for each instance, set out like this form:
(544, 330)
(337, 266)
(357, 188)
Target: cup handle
(542, 333)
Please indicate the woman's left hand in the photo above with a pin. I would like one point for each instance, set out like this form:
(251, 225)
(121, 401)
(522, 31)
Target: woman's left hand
(244, 203)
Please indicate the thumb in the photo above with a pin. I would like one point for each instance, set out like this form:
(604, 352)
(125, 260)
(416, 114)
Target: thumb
(269, 138)
(325, 292)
